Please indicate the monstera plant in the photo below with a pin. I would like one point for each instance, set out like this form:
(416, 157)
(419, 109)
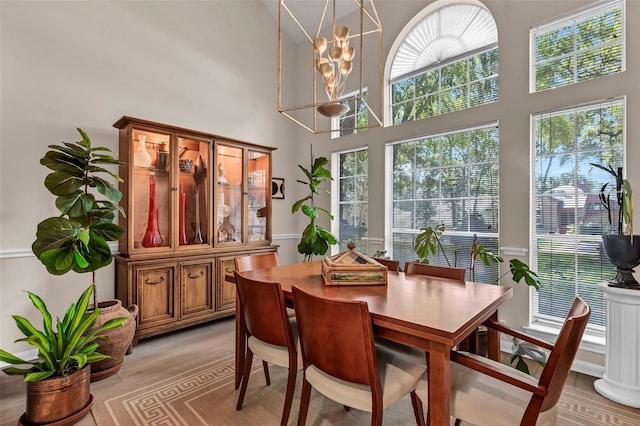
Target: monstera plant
(315, 239)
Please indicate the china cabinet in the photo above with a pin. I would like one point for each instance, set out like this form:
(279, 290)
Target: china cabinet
(194, 201)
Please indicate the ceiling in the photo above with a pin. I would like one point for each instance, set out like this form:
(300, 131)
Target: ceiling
(308, 13)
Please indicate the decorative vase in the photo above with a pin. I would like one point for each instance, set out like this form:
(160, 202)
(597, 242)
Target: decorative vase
(120, 339)
(182, 235)
(142, 156)
(152, 236)
(625, 256)
(59, 399)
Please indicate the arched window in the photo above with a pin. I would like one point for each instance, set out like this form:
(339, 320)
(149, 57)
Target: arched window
(445, 60)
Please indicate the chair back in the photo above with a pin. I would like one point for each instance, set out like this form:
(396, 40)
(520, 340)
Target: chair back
(392, 265)
(557, 368)
(457, 274)
(264, 311)
(336, 336)
(256, 261)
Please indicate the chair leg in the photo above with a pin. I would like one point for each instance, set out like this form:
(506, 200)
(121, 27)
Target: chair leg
(347, 408)
(245, 378)
(417, 409)
(304, 402)
(265, 367)
(288, 399)
(458, 421)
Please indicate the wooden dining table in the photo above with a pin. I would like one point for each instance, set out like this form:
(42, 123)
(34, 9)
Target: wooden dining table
(429, 313)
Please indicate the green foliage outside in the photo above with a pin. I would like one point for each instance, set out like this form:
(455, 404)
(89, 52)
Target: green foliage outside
(65, 349)
(452, 87)
(315, 239)
(589, 49)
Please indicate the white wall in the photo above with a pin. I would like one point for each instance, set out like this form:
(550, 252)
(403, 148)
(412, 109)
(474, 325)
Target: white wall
(207, 65)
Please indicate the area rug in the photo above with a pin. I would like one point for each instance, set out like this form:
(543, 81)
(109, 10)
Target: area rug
(205, 395)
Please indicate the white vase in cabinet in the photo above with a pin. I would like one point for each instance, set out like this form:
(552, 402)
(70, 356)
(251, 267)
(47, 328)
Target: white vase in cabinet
(142, 158)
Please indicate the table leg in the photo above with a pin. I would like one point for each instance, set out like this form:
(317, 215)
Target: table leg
(493, 340)
(241, 338)
(439, 373)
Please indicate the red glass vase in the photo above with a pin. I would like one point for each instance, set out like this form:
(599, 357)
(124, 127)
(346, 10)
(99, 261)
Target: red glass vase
(152, 236)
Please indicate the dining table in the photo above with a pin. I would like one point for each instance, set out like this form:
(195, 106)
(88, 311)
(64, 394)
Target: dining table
(425, 312)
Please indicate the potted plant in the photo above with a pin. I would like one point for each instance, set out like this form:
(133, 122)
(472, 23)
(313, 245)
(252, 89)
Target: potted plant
(77, 239)
(315, 239)
(622, 247)
(58, 381)
(429, 241)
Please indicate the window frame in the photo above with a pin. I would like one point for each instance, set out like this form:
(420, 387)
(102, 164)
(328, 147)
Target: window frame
(570, 19)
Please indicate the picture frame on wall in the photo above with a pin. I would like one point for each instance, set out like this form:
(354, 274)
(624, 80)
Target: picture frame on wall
(277, 188)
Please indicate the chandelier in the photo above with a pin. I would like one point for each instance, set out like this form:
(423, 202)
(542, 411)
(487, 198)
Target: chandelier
(335, 54)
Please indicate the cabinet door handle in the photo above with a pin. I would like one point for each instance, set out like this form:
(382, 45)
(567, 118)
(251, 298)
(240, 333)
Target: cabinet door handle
(158, 281)
(192, 275)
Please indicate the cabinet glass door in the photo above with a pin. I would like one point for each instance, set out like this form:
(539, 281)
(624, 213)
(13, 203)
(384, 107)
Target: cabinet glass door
(151, 189)
(228, 194)
(194, 210)
(258, 191)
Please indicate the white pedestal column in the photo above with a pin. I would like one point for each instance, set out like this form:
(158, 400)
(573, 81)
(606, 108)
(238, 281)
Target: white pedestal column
(621, 382)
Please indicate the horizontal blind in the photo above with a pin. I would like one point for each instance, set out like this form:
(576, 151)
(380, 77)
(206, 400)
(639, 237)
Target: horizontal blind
(567, 216)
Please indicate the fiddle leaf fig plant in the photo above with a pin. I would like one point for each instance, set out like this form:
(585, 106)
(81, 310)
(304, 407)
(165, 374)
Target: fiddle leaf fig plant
(77, 239)
(315, 239)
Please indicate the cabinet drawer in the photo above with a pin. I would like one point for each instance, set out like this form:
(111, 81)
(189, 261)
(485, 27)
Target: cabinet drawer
(227, 288)
(197, 296)
(155, 295)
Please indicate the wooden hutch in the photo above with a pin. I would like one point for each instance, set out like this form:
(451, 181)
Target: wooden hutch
(193, 201)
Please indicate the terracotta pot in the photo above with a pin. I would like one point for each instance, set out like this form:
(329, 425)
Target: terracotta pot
(119, 341)
(58, 398)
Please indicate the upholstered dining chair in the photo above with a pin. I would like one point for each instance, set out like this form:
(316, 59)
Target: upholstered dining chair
(392, 265)
(457, 274)
(342, 362)
(258, 261)
(270, 334)
(489, 393)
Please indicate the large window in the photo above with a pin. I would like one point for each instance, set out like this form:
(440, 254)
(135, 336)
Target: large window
(449, 178)
(586, 45)
(352, 185)
(568, 218)
(461, 84)
(447, 62)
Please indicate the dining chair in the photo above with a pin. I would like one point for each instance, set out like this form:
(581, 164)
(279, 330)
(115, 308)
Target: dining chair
(457, 274)
(486, 392)
(257, 261)
(270, 334)
(392, 265)
(342, 362)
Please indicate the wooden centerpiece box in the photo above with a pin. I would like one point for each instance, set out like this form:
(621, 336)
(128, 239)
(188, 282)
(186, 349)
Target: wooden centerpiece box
(353, 268)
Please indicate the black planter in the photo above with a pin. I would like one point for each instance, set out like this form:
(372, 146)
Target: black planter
(624, 256)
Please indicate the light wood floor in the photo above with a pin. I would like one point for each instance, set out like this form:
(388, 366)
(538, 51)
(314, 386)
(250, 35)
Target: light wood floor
(158, 353)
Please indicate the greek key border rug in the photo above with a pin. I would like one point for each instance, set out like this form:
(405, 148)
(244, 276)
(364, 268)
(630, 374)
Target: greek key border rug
(205, 395)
